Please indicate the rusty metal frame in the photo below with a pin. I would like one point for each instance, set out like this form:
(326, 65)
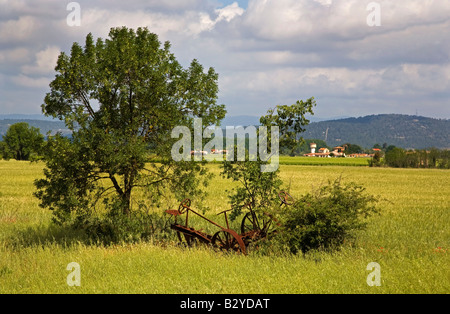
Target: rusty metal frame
(226, 238)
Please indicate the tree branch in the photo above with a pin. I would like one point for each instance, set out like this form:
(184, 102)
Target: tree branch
(116, 185)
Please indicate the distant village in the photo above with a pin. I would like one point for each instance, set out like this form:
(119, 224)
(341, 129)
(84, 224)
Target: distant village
(338, 151)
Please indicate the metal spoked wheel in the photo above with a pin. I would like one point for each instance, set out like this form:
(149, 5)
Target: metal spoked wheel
(184, 205)
(254, 228)
(251, 223)
(228, 240)
(286, 198)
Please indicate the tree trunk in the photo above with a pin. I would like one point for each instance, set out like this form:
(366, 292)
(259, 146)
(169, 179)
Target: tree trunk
(124, 195)
(127, 202)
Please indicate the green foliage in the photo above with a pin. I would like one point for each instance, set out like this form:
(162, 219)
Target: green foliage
(291, 121)
(325, 218)
(352, 149)
(2, 149)
(256, 188)
(122, 97)
(376, 160)
(142, 224)
(433, 158)
(21, 142)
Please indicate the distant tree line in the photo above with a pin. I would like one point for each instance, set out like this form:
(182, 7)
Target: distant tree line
(24, 142)
(432, 158)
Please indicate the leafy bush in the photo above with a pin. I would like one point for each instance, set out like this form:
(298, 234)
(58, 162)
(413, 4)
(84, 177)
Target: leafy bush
(433, 158)
(325, 218)
(116, 227)
(376, 160)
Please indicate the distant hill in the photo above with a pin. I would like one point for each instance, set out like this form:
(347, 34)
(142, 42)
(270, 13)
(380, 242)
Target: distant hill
(394, 129)
(254, 120)
(52, 126)
(25, 117)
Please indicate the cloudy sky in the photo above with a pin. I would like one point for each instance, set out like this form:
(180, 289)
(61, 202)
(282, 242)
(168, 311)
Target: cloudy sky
(356, 57)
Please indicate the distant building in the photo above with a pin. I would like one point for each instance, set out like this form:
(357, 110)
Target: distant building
(338, 151)
(323, 152)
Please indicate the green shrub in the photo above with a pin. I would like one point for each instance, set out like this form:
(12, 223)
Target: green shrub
(376, 160)
(116, 227)
(325, 218)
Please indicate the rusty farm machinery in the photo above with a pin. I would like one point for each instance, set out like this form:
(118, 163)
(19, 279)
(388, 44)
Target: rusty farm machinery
(254, 227)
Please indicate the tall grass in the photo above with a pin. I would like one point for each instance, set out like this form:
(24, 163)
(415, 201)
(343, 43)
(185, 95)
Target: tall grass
(315, 161)
(410, 240)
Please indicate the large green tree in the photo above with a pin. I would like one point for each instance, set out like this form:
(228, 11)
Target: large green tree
(121, 97)
(22, 142)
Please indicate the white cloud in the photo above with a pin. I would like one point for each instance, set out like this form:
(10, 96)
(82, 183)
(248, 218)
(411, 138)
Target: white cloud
(272, 52)
(191, 22)
(45, 61)
(166, 23)
(229, 12)
(14, 55)
(338, 19)
(18, 30)
(325, 2)
(27, 81)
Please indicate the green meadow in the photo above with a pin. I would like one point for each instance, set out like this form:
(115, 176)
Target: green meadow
(409, 240)
(314, 161)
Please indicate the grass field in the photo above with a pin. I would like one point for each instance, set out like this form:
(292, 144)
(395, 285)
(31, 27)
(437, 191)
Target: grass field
(410, 240)
(314, 161)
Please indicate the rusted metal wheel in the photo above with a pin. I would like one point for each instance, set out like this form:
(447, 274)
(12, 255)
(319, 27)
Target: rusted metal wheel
(228, 240)
(286, 198)
(249, 223)
(184, 205)
(256, 228)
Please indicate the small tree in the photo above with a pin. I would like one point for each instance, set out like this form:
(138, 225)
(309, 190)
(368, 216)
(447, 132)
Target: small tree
(395, 157)
(291, 121)
(22, 142)
(376, 160)
(256, 188)
(260, 189)
(352, 149)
